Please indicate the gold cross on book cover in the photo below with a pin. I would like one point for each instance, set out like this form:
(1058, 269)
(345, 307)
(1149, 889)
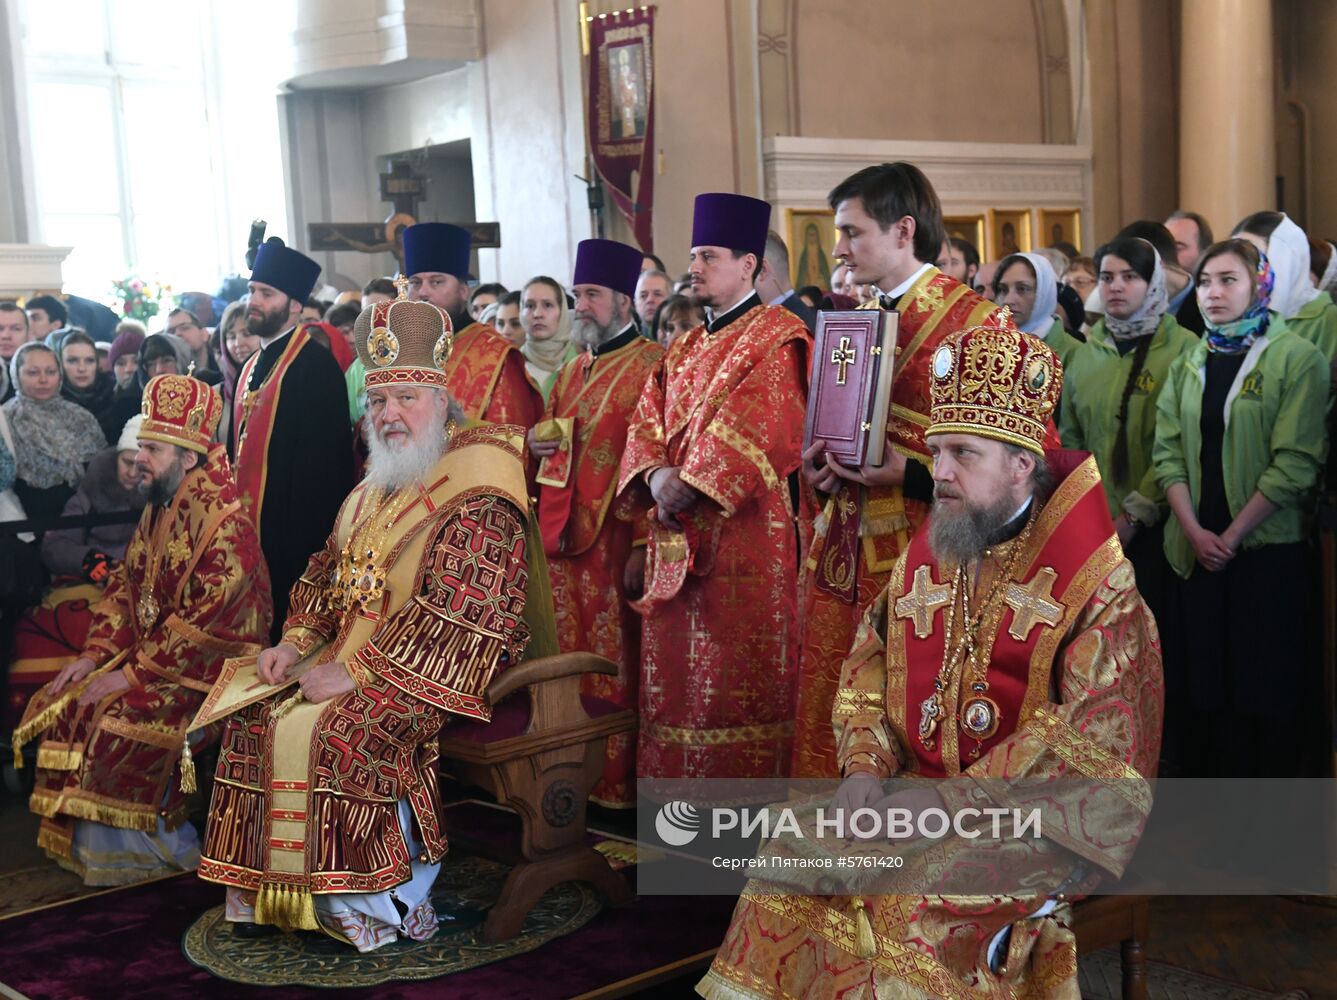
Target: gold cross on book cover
(853, 362)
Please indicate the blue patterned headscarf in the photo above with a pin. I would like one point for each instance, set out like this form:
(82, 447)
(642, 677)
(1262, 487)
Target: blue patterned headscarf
(1238, 336)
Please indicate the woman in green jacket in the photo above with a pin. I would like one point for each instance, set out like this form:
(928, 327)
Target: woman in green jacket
(1309, 312)
(1240, 440)
(1110, 388)
(1026, 284)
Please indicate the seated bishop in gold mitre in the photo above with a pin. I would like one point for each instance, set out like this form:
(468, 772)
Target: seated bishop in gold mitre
(326, 812)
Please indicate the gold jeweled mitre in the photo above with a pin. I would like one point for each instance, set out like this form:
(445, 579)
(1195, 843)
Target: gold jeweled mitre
(997, 382)
(403, 342)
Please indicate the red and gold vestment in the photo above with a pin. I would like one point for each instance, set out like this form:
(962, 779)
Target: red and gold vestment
(863, 529)
(486, 376)
(719, 643)
(1075, 671)
(192, 591)
(420, 592)
(587, 549)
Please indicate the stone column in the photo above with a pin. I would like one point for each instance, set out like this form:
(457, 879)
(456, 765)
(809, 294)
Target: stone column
(1227, 136)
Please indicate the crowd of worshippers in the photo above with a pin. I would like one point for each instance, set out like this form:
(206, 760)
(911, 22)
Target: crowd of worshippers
(689, 536)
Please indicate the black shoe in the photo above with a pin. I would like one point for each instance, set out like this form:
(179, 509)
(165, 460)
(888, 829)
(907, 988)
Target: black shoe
(248, 931)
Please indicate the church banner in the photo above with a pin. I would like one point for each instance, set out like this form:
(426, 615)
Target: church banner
(621, 111)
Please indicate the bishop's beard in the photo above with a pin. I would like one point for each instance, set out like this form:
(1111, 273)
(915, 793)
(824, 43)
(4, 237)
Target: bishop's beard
(394, 466)
(958, 536)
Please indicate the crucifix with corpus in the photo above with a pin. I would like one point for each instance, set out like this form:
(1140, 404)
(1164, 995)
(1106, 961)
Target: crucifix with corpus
(403, 189)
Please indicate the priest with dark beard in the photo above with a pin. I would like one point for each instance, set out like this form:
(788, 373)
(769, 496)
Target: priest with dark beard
(326, 814)
(1010, 650)
(290, 434)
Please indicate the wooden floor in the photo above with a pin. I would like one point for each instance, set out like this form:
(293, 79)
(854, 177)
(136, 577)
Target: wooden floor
(1267, 942)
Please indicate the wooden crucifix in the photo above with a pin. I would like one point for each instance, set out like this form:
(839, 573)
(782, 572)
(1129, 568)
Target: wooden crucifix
(403, 189)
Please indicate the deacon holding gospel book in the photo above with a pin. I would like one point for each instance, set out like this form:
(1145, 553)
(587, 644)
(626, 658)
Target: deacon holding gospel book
(890, 230)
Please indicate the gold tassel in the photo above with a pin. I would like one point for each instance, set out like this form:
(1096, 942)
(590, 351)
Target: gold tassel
(865, 945)
(283, 708)
(188, 783)
(286, 907)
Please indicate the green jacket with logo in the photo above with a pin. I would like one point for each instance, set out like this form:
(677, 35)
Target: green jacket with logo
(1093, 381)
(1275, 438)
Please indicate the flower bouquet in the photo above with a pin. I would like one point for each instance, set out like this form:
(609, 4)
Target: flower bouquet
(135, 298)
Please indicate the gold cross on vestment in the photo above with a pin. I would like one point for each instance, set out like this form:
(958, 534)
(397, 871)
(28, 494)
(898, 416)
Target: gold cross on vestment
(923, 601)
(1033, 603)
(842, 357)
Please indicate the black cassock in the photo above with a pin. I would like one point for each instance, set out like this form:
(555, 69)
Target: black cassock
(309, 465)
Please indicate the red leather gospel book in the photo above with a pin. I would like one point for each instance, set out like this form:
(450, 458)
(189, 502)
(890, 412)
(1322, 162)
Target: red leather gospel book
(849, 393)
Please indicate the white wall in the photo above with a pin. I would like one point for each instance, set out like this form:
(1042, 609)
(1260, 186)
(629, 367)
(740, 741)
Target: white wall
(16, 206)
(528, 139)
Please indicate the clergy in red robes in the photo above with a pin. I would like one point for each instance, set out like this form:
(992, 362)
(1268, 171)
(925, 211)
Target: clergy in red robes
(191, 591)
(716, 434)
(594, 562)
(1012, 652)
(890, 230)
(485, 373)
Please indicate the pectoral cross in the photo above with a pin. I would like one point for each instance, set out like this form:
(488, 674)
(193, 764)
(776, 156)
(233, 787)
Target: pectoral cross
(1033, 603)
(923, 601)
(842, 357)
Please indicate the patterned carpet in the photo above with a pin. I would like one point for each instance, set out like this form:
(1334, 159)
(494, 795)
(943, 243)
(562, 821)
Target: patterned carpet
(465, 884)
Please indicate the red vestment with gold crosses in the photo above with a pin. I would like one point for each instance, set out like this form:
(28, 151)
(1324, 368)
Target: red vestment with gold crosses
(862, 530)
(719, 644)
(486, 376)
(1075, 672)
(587, 548)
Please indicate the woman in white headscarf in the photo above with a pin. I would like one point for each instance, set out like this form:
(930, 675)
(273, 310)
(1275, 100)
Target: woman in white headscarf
(1026, 284)
(547, 321)
(1308, 312)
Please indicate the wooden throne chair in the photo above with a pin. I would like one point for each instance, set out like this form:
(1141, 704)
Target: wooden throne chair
(542, 754)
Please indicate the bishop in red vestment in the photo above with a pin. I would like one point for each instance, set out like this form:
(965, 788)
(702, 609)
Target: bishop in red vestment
(1012, 652)
(597, 561)
(191, 591)
(716, 435)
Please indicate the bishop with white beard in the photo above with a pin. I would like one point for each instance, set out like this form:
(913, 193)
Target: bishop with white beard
(326, 813)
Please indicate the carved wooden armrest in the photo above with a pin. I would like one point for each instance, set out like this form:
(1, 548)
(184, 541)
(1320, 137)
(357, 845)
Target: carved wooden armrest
(550, 668)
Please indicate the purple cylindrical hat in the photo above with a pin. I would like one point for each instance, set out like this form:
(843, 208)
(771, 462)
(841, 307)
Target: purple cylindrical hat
(731, 220)
(609, 263)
